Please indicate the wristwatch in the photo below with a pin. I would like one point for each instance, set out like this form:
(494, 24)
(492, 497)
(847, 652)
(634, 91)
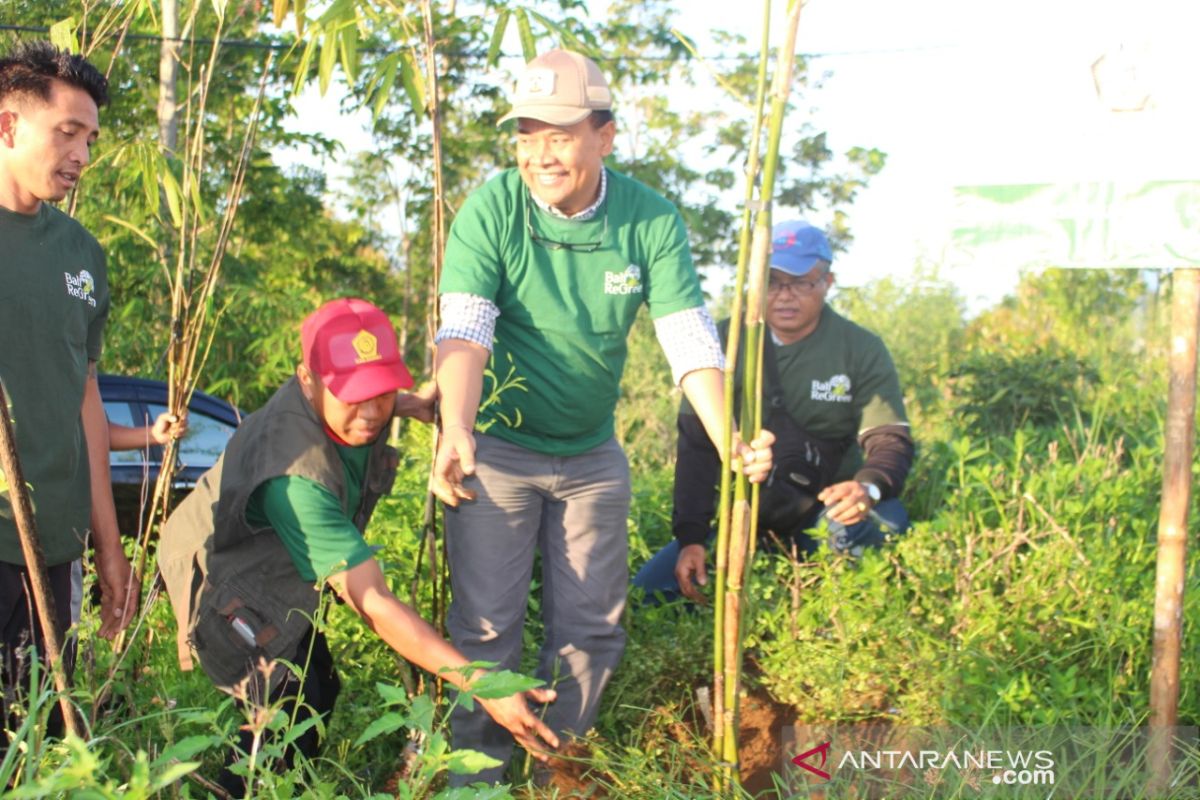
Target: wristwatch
(872, 492)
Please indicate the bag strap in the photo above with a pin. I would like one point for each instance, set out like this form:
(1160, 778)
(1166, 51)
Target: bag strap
(772, 370)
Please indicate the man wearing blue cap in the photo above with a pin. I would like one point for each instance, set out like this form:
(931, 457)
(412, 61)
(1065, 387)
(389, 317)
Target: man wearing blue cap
(833, 400)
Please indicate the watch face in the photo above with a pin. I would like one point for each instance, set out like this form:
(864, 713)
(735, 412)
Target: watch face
(873, 491)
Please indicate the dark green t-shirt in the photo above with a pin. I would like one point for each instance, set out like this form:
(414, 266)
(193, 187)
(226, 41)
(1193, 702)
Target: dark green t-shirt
(837, 382)
(53, 305)
(312, 524)
(560, 341)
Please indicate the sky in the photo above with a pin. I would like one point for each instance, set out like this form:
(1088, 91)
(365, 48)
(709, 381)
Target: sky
(964, 93)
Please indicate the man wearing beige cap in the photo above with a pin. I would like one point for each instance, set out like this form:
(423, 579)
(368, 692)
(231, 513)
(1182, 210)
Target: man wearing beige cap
(546, 268)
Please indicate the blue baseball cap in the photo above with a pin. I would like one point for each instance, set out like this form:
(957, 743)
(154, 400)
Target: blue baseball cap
(796, 247)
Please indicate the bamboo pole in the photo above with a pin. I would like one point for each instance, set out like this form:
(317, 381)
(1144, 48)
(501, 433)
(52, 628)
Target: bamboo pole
(35, 562)
(731, 361)
(1179, 442)
(731, 563)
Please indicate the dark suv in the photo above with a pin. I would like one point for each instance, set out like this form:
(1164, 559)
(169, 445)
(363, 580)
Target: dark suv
(137, 401)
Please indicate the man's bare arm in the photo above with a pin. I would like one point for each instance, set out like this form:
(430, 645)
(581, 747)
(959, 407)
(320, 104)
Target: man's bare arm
(118, 597)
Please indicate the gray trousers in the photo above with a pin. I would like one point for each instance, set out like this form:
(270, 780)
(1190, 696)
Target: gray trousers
(573, 510)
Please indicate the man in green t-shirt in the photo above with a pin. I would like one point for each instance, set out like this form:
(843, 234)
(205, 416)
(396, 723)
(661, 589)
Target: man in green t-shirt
(832, 397)
(53, 306)
(546, 267)
(283, 512)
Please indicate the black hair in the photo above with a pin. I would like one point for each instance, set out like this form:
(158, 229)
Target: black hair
(601, 117)
(32, 67)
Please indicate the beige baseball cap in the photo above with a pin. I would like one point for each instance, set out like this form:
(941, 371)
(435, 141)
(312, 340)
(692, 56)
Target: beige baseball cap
(559, 87)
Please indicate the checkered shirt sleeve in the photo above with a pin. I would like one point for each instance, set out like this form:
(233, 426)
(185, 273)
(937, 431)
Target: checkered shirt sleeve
(468, 316)
(689, 339)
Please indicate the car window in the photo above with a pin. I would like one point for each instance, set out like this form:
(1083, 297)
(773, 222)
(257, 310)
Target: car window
(205, 441)
(121, 413)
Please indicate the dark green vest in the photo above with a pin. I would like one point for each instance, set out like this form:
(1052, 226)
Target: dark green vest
(238, 598)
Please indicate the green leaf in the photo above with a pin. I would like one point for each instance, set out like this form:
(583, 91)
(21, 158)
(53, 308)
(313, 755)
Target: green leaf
(300, 17)
(494, 685)
(299, 729)
(465, 762)
(388, 723)
(414, 83)
(348, 48)
(187, 748)
(303, 67)
(420, 715)
(62, 35)
(329, 52)
(493, 53)
(172, 774)
(279, 11)
(174, 196)
(392, 695)
(219, 7)
(528, 43)
(384, 82)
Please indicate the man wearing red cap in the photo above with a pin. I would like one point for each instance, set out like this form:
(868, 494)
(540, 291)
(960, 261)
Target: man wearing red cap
(283, 511)
(545, 270)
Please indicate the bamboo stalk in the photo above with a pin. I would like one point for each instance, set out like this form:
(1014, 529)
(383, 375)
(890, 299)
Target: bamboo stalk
(731, 360)
(35, 562)
(1173, 525)
(731, 569)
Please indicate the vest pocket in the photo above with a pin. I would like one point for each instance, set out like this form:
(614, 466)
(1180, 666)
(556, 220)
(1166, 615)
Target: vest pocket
(238, 635)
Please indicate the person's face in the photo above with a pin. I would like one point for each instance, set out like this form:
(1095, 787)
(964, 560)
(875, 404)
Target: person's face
(562, 165)
(794, 303)
(44, 146)
(355, 424)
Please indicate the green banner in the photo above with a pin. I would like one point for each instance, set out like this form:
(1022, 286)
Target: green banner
(1086, 224)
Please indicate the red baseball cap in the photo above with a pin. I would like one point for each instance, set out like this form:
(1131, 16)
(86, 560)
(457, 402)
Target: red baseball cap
(351, 345)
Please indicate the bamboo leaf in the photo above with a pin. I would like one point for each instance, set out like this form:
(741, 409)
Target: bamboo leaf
(566, 37)
(303, 67)
(348, 48)
(279, 12)
(219, 7)
(174, 197)
(386, 80)
(62, 35)
(493, 53)
(414, 83)
(129, 226)
(528, 43)
(300, 17)
(329, 51)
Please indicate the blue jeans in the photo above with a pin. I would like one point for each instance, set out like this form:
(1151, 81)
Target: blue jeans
(657, 576)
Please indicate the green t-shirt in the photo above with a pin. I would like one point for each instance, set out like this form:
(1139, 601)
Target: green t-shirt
(312, 524)
(53, 305)
(837, 382)
(560, 341)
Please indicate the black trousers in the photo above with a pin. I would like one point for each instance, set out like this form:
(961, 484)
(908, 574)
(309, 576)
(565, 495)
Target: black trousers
(20, 629)
(316, 694)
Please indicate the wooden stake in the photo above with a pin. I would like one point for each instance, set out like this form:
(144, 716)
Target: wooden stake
(35, 561)
(1179, 442)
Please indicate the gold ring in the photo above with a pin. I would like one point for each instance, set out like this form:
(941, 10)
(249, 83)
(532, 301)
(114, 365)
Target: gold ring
(862, 507)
